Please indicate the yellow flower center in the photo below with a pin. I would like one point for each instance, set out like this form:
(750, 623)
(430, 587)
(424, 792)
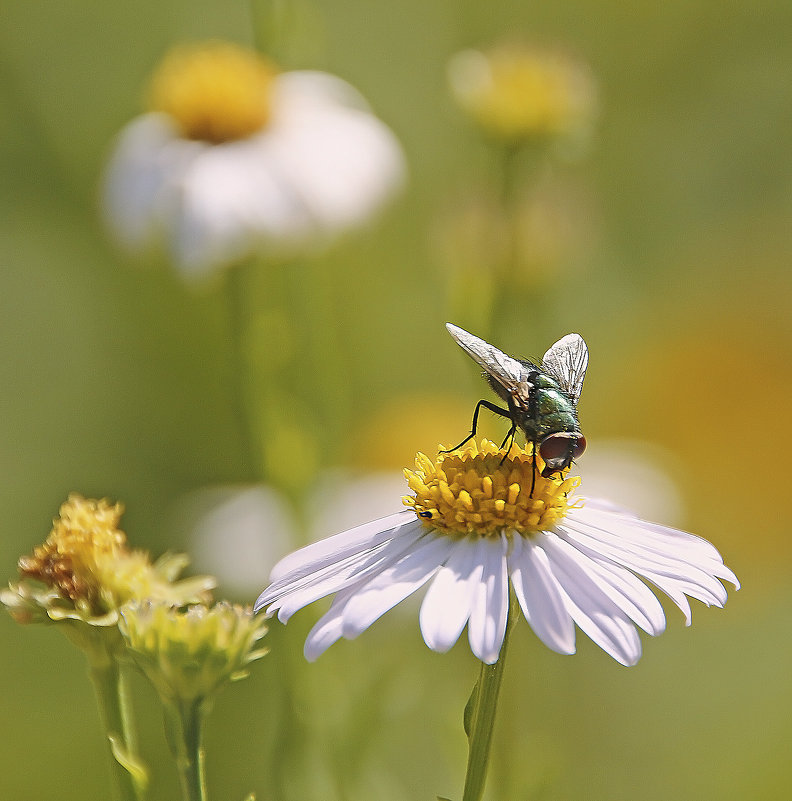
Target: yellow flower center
(216, 92)
(516, 93)
(485, 490)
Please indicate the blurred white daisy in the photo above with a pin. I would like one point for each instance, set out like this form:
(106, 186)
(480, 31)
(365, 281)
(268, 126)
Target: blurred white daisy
(474, 529)
(236, 158)
(236, 532)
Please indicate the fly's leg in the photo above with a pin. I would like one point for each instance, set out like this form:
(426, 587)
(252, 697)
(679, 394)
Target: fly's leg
(509, 436)
(533, 472)
(474, 426)
(510, 439)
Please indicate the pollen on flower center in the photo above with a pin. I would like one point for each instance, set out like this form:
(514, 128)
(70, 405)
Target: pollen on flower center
(215, 92)
(474, 490)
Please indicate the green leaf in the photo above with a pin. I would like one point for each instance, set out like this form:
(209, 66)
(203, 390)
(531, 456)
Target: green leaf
(470, 707)
(129, 762)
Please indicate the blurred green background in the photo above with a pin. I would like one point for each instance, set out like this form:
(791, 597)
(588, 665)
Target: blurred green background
(672, 257)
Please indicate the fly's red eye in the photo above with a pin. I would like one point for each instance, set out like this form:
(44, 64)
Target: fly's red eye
(555, 448)
(558, 450)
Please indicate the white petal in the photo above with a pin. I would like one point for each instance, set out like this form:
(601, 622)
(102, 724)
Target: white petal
(327, 629)
(354, 570)
(331, 626)
(141, 185)
(392, 585)
(675, 561)
(539, 596)
(324, 567)
(656, 545)
(489, 613)
(238, 532)
(341, 161)
(301, 91)
(447, 604)
(236, 197)
(339, 546)
(596, 614)
(629, 593)
(626, 526)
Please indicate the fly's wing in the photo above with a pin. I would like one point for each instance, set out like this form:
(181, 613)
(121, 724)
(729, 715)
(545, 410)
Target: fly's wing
(508, 372)
(566, 361)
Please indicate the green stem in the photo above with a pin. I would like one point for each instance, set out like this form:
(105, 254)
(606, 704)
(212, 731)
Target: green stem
(185, 727)
(127, 710)
(239, 378)
(519, 166)
(114, 712)
(480, 715)
(270, 22)
(323, 343)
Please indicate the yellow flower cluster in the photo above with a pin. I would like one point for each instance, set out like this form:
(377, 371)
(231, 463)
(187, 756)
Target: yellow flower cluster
(87, 563)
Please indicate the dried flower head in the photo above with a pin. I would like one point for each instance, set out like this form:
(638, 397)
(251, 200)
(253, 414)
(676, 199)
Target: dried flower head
(88, 570)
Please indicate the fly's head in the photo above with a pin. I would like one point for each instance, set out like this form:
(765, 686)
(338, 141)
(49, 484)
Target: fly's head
(559, 450)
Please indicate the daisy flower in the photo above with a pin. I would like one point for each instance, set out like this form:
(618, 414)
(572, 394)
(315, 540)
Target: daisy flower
(235, 158)
(473, 529)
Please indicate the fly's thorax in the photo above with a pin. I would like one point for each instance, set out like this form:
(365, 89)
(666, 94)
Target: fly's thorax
(550, 422)
(555, 412)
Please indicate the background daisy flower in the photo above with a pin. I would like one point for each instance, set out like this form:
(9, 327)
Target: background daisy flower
(235, 157)
(475, 529)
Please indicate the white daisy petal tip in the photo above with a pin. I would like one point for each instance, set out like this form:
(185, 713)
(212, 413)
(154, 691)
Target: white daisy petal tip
(568, 566)
(259, 604)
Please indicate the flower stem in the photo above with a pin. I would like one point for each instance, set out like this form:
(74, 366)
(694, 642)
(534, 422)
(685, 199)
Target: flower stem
(127, 709)
(239, 368)
(112, 695)
(519, 169)
(185, 726)
(480, 716)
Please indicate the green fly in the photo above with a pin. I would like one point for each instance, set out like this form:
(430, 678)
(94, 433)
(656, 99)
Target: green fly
(541, 399)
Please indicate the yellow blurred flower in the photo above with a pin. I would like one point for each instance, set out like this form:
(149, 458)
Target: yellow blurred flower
(214, 93)
(379, 444)
(517, 93)
(235, 158)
